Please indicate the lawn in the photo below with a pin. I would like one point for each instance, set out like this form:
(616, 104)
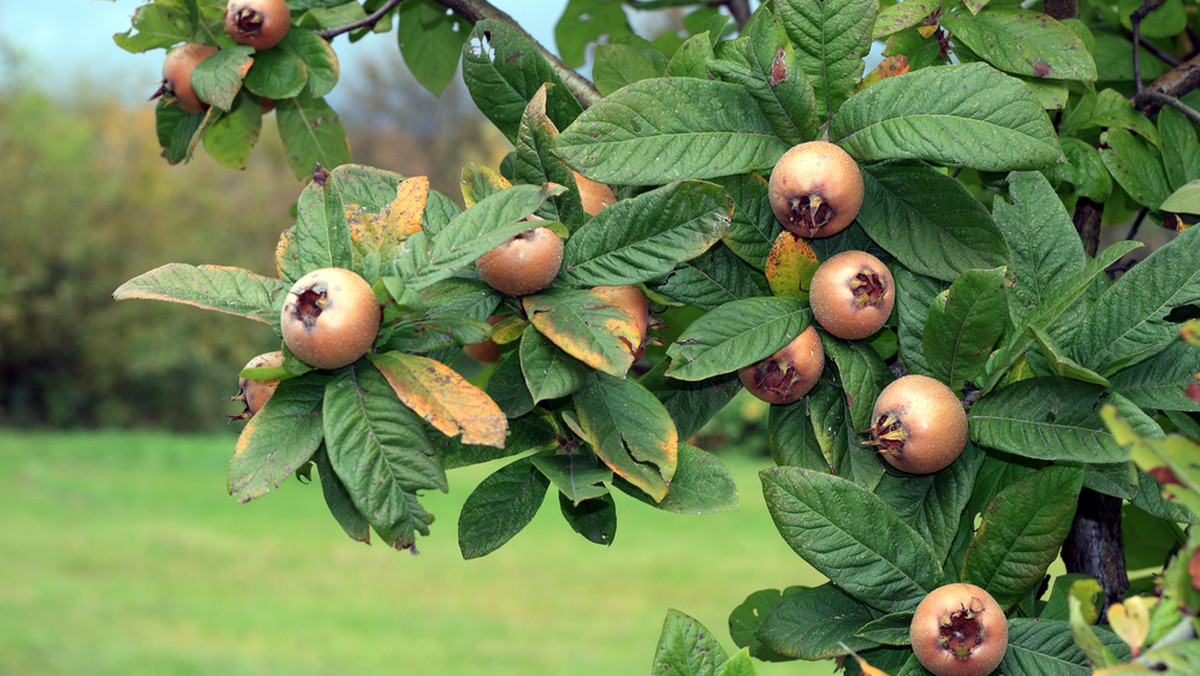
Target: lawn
(121, 553)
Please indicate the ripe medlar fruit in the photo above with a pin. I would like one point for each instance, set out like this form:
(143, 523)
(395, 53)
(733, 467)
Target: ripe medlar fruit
(852, 294)
(790, 373)
(630, 298)
(594, 196)
(330, 318)
(261, 24)
(177, 75)
(255, 393)
(816, 189)
(959, 630)
(918, 425)
(525, 264)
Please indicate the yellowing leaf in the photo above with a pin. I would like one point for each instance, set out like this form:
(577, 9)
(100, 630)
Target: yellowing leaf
(479, 182)
(790, 266)
(586, 325)
(892, 65)
(386, 231)
(1131, 622)
(445, 399)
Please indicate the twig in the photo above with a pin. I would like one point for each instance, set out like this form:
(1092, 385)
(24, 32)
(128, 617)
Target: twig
(475, 11)
(1160, 99)
(366, 22)
(1136, 20)
(1161, 54)
(740, 9)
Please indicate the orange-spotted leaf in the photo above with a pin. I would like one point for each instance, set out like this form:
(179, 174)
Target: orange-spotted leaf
(221, 288)
(630, 430)
(892, 65)
(442, 397)
(928, 31)
(480, 182)
(790, 266)
(386, 230)
(287, 258)
(587, 326)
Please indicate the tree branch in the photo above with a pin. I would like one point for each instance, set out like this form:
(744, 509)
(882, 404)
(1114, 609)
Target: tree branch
(475, 11)
(367, 22)
(740, 9)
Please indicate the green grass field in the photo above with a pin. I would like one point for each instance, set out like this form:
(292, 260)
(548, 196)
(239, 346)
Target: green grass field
(121, 553)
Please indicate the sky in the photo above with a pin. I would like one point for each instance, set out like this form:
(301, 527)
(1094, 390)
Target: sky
(65, 40)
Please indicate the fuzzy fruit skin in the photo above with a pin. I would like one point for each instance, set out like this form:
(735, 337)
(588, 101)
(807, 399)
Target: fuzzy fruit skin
(594, 196)
(953, 612)
(486, 351)
(631, 299)
(918, 425)
(852, 294)
(816, 189)
(256, 392)
(177, 75)
(790, 373)
(330, 318)
(524, 264)
(261, 24)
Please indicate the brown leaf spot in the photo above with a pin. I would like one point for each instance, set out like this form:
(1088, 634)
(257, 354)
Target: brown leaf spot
(779, 70)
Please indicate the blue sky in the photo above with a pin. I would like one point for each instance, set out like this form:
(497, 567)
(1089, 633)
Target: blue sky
(66, 40)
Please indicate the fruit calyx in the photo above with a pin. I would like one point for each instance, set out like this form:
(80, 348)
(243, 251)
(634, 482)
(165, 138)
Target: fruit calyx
(311, 303)
(771, 377)
(809, 214)
(248, 21)
(887, 434)
(961, 632)
(868, 288)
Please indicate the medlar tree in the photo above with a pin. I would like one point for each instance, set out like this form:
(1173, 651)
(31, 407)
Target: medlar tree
(979, 158)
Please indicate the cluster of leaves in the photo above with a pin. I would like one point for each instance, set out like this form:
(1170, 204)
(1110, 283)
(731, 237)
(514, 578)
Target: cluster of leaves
(997, 297)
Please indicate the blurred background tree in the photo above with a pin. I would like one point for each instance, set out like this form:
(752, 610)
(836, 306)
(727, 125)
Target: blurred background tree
(86, 202)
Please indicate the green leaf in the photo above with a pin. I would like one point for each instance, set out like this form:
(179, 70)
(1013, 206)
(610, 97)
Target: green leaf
(1047, 418)
(753, 229)
(736, 334)
(578, 476)
(933, 504)
(1108, 109)
(499, 507)
(506, 386)
(431, 42)
(1135, 167)
(1060, 364)
(586, 326)
(645, 237)
(1112, 52)
(768, 67)
(1168, 19)
(549, 372)
(692, 58)
(1084, 169)
(655, 131)
(792, 437)
(630, 430)
(312, 134)
(1128, 323)
(929, 221)
(339, 501)
(914, 296)
(902, 15)
(835, 37)
(279, 439)
(714, 278)
(1180, 149)
(618, 65)
(1023, 42)
(379, 450)
(690, 404)
(1041, 646)
(965, 115)
(816, 624)
(218, 79)
(177, 131)
(1185, 200)
(536, 163)
(1021, 532)
(1046, 249)
(1161, 381)
(210, 287)
(586, 21)
(503, 70)
(320, 61)
(852, 537)
(702, 484)
(863, 375)
(322, 233)
(594, 519)
(740, 664)
(687, 648)
(749, 615)
(278, 73)
(963, 325)
(230, 139)
(472, 233)
(158, 24)
(891, 629)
